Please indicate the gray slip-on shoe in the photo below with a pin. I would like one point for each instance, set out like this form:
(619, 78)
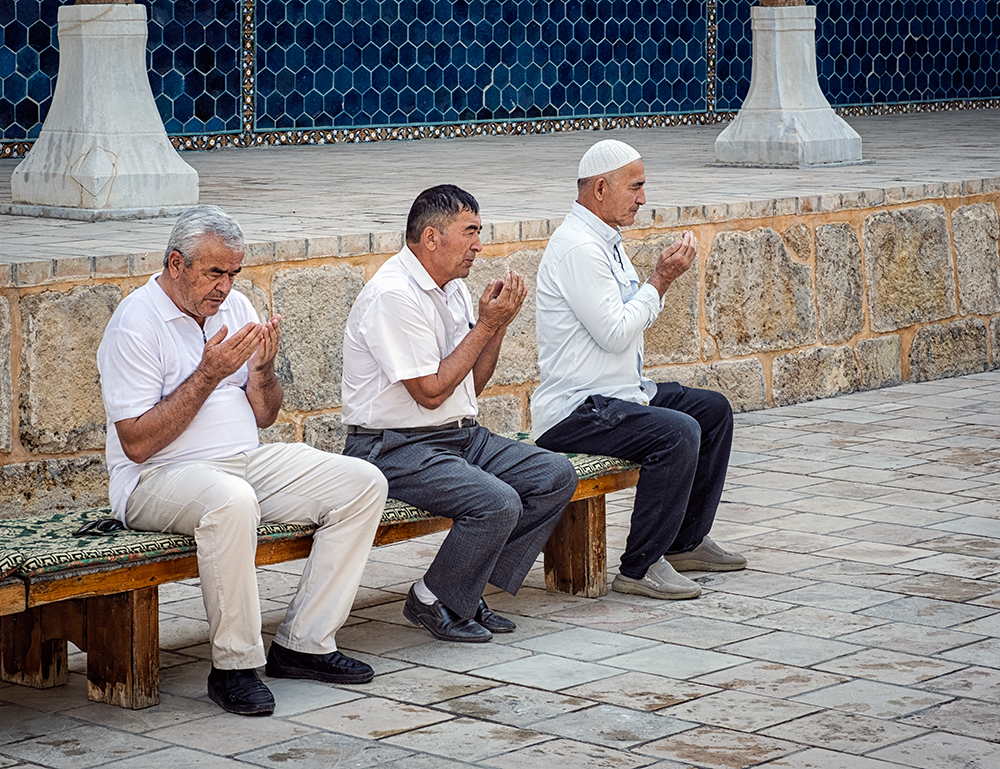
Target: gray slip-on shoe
(660, 581)
(708, 556)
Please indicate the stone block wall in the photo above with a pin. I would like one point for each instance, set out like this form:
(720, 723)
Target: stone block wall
(790, 300)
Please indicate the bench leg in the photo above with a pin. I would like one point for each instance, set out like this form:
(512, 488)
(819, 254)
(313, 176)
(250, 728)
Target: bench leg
(29, 654)
(576, 556)
(123, 649)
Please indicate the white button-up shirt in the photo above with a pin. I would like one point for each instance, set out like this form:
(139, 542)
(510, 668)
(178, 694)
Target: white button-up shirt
(401, 327)
(149, 348)
(590, 313)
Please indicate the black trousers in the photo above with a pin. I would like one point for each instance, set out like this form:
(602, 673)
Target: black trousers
(682, 439)
(504, 498)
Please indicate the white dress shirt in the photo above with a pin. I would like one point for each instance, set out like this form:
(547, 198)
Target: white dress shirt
(149, 348)
(401, 327)
(590, 313)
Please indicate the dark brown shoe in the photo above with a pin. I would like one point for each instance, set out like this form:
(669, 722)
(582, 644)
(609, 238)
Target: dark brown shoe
(240, 691)
(491, 621)
(333, 668)
(442, 622)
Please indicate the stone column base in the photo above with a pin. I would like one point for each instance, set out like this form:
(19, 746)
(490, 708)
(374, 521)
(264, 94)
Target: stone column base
(786, 120)
(103, 151)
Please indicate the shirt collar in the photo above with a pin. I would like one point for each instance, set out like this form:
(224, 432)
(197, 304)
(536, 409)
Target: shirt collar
(610, 235)
(420, 275)
(163, 304)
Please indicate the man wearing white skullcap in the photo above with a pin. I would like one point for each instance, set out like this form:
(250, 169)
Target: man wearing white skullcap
(591, 311)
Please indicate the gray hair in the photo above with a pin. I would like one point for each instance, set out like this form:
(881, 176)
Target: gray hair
(198, 223)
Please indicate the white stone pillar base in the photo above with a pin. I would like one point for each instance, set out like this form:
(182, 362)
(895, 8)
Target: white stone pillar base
(786, 121)
(103, 152)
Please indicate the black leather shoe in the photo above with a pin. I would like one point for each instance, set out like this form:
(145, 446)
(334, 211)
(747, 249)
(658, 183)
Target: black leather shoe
(334, 667)
(442, 622)
(240, 691)
(492, 622)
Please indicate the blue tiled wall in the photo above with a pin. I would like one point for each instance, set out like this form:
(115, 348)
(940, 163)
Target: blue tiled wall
(359, 63)
(879, 52)
(193, 55)
(376, 63)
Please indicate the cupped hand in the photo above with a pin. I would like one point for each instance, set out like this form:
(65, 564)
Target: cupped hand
(501, 300)
(221, 357)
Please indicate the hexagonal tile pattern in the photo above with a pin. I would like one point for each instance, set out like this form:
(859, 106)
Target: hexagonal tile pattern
(877, 51)
(193, 57)
(436, 61)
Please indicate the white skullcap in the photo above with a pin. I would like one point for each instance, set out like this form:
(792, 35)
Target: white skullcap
(606, 156)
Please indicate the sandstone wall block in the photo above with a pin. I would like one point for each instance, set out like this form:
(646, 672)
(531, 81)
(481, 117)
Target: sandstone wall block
(949, 350)
(257, 296)
(501, 413)
(799, 239)
(756, 297)
(6, 383)
(838, 283)
(313, 304)
(976, 232)
(880, 360)
(61, 410)
(518, 361)
(995, 340)
(908, 267)
(34, 488)
(673, 337)
(325, 432)
(815, 373)
(279, 432)
(741, 381)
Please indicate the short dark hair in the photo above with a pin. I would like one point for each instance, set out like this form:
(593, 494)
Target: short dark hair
(437, 207)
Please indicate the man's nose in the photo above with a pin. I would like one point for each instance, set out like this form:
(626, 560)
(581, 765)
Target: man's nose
(641, 198)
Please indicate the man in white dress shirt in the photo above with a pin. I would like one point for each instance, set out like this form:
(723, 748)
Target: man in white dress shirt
(591, 311)
(415, 358)
(187, 375)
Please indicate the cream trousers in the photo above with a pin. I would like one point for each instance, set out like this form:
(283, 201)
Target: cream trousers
(220, 503)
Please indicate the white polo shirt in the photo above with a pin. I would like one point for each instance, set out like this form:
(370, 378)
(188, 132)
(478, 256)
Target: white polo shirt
(149, 348)
(590, 312)
(401, 327)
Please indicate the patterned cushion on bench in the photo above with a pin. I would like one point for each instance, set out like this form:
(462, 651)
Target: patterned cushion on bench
(587, 465)
(44, 544)
(9, 561)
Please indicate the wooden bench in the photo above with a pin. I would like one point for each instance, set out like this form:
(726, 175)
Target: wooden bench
(100, 592)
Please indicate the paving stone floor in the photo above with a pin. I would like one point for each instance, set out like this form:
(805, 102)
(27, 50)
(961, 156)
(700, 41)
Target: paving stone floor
(864, 635)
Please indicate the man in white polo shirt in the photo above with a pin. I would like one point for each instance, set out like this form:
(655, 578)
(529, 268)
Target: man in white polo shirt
(187, 374)
(415, 358)
(591, 311)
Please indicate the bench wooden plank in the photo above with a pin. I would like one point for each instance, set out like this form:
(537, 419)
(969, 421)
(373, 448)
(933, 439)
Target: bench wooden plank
(576, 560)
(33, 649)
(13, 596)
(123, 649)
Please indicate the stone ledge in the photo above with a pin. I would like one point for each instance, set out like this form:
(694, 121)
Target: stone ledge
(20, 272)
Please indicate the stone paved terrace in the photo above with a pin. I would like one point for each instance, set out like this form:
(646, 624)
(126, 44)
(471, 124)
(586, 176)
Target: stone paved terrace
(290, 193)
(864, 635)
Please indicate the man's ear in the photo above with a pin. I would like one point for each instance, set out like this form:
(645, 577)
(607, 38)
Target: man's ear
(600, 188)
(429, 238)
(175, 261)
